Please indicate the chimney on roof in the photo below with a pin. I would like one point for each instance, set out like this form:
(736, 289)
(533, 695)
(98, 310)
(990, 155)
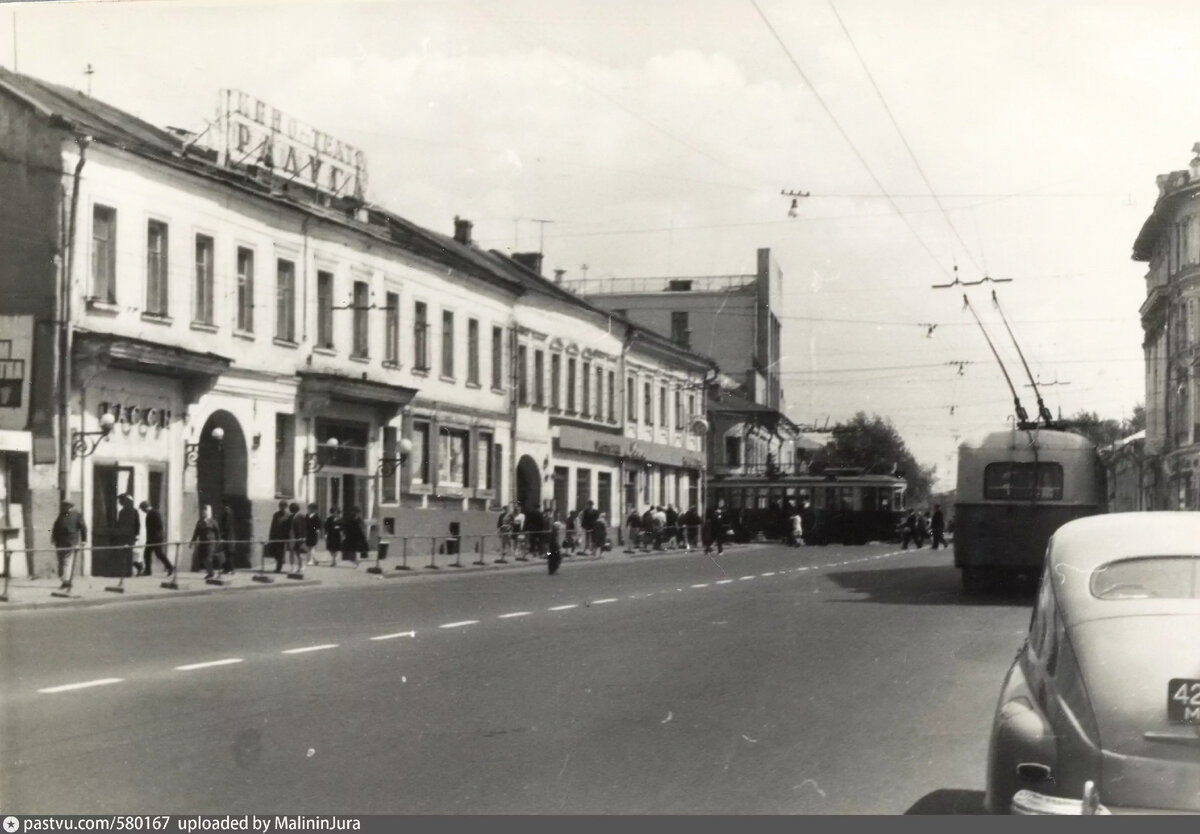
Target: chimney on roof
(530, 260)
(462, 230)
(558, 275)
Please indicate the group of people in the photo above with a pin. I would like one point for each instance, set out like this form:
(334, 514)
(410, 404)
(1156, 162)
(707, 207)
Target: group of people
(660, 528)
(294, 536)
(69, 532)
(917, 527)
(532, 532)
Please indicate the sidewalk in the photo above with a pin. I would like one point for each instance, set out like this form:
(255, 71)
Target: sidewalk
(88, 591)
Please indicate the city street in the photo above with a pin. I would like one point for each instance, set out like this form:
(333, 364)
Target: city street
(769, 680)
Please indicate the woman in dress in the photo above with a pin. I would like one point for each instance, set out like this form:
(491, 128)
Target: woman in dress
(333, 534)
(208, 536)
(354, 537)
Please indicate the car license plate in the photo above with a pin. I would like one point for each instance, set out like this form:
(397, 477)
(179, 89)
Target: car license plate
(1183, 701)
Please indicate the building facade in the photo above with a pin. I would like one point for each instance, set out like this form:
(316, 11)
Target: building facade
(252, 334)
(1169, 243)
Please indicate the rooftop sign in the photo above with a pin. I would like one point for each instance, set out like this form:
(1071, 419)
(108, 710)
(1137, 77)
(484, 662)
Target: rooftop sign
(251, 131)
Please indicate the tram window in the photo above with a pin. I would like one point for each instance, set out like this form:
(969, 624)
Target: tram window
(1014, 481)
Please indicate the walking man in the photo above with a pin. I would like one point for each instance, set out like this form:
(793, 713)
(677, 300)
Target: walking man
(937, 527)
(280, 530)
(129, 527)
(297, 531)
(155, 537)
(68, 532)
(588, 520)
(312, 533)
(716, 523)
(228, 538)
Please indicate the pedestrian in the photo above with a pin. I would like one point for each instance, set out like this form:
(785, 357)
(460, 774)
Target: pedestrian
(554, 542)
(797, 532)
(671, 526)
(518, 528)
(716, 526)
(312, 532)
(691, 527)
(570, 531)
(129, 527)
(659, 527)
(648, 538)
(588, 520)
(354, 537)
(808, 522)
(600, 534)
(297, 533)
(633, 530)
(937, 527)
(228, 535)
(280, 529)
(333, 535)
(908, 529)
(155, 538)
(66, 534)
(208, 536)
(504, 530)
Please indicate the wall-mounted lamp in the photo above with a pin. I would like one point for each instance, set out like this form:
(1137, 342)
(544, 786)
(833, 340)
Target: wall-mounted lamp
(81, 447)
(312, 460)
(191, 451)
(256, 441)
(388, 466)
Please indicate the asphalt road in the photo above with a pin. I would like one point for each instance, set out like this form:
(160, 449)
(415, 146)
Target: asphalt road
(772, 680)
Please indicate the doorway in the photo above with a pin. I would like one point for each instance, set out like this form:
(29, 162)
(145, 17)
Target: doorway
(529, 483)
(108, 482)
(221, 470)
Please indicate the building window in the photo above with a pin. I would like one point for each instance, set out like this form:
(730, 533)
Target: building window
(418, 458)
(391, 337)
(691, 409)
(245, 290)
(663, 413)
(539, 379)
(104, 254)
(421, 336)
(678, 409)
(388, 482)
(203, 311)
(447, 344)
(156, 268)
(498, 358)
(631, 399)
(648, 404)
(599, 415)
(285, 455)
(473, 351)
(325, 310)
(285, 301)
(556, 381)
(362, 325)
(612, 397)
(452, 458)
(522, 375)
(583, 487)
(571, 385)
(485, 464)
(680, 334)
(586, 379)
(733, 451)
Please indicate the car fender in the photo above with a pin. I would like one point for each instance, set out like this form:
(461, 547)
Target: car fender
(1020, 734)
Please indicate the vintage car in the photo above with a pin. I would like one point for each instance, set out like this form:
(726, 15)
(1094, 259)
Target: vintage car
(1100, 711)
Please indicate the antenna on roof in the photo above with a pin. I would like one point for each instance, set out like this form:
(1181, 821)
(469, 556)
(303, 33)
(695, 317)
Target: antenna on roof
(89, 72)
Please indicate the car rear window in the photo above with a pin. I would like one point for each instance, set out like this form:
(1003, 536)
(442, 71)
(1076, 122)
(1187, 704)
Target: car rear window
(1148, 577)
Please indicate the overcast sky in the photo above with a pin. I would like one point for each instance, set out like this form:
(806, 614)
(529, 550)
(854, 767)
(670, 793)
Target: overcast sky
(657, 136)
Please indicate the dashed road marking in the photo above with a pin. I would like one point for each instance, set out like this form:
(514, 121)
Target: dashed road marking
(228, 661)
(603, 601)
(768, 573)
(724, 581)
(744, 578)
(84, 685)
(512, 614)
(459, 624)
(304, 649)
(564, 607)
(394, 636)
(701, 585)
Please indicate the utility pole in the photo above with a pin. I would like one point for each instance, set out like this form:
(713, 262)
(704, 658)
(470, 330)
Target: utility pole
(89, 72)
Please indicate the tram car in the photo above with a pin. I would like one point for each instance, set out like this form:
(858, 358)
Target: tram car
(1015, 488)
(846, 506)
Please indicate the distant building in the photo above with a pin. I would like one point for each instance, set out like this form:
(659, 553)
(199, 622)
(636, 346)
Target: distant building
(1169, 242)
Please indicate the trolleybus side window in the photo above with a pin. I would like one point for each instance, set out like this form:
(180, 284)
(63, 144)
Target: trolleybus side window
(1010, 480)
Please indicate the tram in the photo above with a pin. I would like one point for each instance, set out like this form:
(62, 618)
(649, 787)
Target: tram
(1015, 488)
(847, 506)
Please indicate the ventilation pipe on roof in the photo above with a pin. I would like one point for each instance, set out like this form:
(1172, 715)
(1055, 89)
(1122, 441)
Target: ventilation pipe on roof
(462, 230)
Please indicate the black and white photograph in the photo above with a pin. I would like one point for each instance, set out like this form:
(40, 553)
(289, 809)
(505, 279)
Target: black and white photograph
(551, 407)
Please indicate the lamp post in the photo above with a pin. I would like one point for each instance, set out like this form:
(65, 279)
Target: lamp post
(81, 447)
(386, 468)
(312, 460)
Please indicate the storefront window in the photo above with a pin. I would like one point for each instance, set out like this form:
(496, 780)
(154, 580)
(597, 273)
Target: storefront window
(485, 461)
(452, 458)
(418, 459)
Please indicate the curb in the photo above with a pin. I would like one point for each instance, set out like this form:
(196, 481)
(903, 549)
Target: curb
(94, 602)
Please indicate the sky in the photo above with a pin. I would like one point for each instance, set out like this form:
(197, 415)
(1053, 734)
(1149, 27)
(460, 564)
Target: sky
(935, 138)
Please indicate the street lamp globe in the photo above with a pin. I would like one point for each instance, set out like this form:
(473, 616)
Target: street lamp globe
(218, 434)
(405, 445)
(107, 421)
(332, 443)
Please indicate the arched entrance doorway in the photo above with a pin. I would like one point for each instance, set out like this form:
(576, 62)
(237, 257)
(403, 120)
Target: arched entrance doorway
(529, 483)
(221, 477)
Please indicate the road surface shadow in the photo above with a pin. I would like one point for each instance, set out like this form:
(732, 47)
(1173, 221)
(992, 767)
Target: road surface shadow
(949, 801)
(937, 585)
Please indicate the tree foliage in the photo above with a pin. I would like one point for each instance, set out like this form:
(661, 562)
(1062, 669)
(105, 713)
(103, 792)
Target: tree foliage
(1106, 431)
(873, 444)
